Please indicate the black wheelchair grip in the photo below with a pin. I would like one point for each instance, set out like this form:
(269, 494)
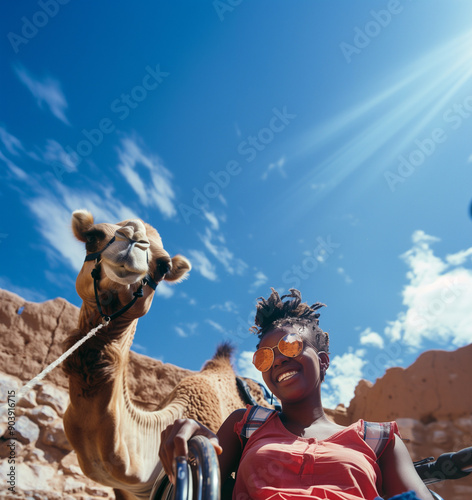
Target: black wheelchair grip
(447, 466)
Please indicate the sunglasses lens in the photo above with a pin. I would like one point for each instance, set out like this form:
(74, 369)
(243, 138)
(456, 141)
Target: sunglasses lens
(291, 345)
(263, 358)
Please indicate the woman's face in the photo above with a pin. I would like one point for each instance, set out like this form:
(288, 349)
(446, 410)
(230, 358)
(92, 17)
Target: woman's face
(293, 379)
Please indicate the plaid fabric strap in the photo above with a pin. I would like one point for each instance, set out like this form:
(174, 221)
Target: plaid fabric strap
(256, 417)
(376, 435)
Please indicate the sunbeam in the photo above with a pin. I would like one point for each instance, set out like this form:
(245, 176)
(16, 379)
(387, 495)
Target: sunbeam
(391, 120)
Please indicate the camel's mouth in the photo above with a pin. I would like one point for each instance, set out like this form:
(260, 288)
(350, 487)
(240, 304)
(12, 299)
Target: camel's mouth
(122, 275)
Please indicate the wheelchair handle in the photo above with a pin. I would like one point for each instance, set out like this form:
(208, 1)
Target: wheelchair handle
(447, 466)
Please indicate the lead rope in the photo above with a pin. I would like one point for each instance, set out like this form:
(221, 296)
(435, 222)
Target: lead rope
(27, 387)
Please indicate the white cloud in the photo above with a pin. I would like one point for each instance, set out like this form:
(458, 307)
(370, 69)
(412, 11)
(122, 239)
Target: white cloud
(228, 306)
(11, 143)
(47, 91)
(164, 290)
(27, 293)
(260, 279)
(222, 200)
(55, 154)
(437, 297)
(212, 219)
(216, 326)
(368, 337)
(14, 169)
(237, 129)
(202, 265)
(186, 330)
(181, 332)
(347, 278)
(220, 251)
(53, 212)
(139, 348)
(279, 165)
(54, 221)
(459, 258)
(61, 280)
(190, 300)
(342, 377)
(155, 188)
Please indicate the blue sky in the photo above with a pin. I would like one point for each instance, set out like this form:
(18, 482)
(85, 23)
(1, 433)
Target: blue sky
(319, 145)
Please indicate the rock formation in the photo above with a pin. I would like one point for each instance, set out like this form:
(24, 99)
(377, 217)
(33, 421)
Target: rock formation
(431, 400)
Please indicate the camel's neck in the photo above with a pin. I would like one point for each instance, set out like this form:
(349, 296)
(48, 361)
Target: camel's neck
(105, 428)
(100, 364)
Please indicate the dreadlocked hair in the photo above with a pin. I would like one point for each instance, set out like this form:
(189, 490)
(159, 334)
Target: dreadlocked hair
(276, 313)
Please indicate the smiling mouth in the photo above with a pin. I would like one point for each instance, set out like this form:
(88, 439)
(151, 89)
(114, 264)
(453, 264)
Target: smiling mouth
(286, 375)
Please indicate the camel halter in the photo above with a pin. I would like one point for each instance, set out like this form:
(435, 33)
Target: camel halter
(147, 280)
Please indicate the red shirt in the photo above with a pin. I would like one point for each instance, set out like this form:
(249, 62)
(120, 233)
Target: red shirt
(279, 465)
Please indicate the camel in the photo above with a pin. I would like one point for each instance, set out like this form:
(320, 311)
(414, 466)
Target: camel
(116, 442)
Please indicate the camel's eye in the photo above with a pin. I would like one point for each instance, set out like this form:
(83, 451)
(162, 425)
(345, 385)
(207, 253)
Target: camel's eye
(93, 237)
(163, 267)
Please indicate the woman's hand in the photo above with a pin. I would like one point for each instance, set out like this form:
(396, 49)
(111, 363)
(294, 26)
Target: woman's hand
(174, 442)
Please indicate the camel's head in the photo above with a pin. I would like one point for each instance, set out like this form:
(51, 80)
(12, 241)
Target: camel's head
(127, 252)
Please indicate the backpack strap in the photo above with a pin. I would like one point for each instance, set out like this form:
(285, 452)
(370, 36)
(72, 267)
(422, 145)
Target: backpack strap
(257, 416)
(377, 435)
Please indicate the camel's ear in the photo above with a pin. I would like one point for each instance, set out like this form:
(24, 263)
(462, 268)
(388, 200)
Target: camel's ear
(82, 221)
(180, 267)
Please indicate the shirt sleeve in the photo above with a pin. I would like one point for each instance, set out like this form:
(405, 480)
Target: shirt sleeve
(379, 434)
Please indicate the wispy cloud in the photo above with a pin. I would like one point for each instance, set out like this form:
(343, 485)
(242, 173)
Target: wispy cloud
(259, 279)
(215, 243)
(212, 219)
(228, 306)
(29, 294)
(54, 154)
(148, 178)
(139, 348)
(277, 166)
(47, 92)
(11, 143)
(14, 169)
(202, 264)
(186, 330)
(347, 278)
(216, 326)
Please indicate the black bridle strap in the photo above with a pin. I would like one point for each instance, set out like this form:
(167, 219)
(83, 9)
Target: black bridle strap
(138, 293)
(147, 280)
(97, 255)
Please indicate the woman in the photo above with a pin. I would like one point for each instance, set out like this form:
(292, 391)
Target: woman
(298, 453)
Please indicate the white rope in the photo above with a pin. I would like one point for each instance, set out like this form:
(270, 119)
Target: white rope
(26, 388)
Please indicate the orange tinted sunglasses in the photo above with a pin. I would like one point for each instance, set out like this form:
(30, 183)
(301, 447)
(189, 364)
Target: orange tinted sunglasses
(290, 345)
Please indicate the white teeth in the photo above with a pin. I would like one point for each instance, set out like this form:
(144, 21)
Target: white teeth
(286, 375)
